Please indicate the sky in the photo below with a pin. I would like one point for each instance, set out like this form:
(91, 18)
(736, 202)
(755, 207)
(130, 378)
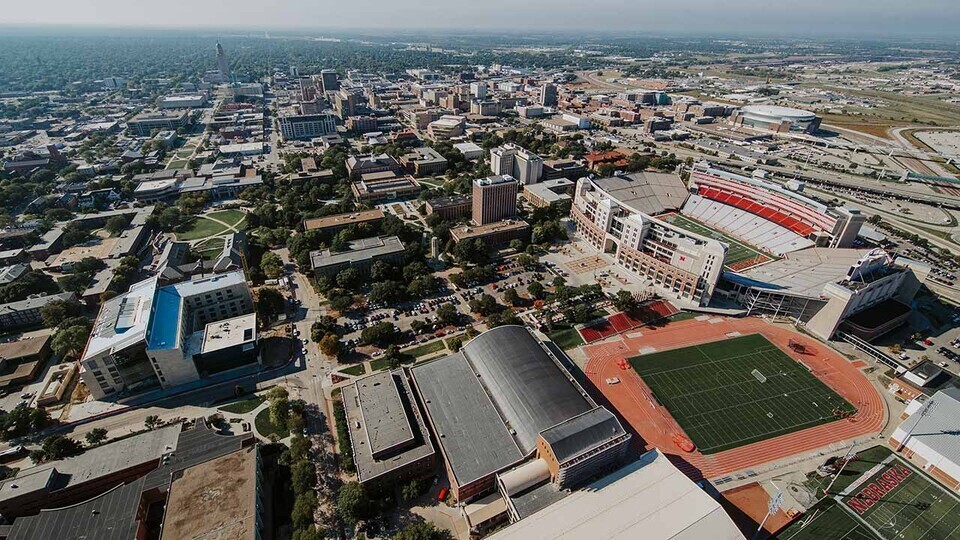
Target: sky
(878, 18)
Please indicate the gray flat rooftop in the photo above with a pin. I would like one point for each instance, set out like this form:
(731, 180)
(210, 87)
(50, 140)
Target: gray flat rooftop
(582, 433)
(363, 249)
(387, 425)
(801, 273)
(375, 424)
(646, 192)
(474, 438)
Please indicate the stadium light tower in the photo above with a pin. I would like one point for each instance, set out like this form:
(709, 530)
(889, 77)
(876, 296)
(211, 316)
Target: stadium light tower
(927, 407)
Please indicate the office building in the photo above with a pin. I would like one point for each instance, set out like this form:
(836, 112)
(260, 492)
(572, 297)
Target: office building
(329, 81)
(223, 66)
(390, 441)
(306, 126)
(450, 208)
(376, 188)
(494, 199)
(159, 337)
(358, 166)
(548, 95)
(469, 150)
(345, 102)
(337, 222)
(359, 255)
(424, 161)
(22, 360)
(182, 101)
(446, 127)
(517, 162)
(144, 123)
(618, 215)
(494, 235)
(478, 90)
(27, 312)
(549, 192)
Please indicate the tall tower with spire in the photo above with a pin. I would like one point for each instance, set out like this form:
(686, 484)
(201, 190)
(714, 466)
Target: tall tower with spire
(222, 64)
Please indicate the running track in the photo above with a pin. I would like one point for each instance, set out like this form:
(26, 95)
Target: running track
(654, 425)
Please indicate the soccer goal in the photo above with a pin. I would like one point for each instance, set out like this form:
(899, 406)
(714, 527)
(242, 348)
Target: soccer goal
(760, 377)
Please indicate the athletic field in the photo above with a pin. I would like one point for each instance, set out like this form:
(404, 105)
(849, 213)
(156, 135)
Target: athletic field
(740, 256)
(737, 391)
(888, 500)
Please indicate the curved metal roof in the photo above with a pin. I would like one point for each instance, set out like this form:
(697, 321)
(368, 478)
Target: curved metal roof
(776, 110)
(531, 391)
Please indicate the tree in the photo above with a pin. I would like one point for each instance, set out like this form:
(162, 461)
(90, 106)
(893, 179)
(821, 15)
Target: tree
(116, 225)
(331, 346)
(340, 301)
(512, 297)
(309, 533)
(270, 302)
(386, 292)
(382, 271)
(67, 341)
(57, 447)
(53, 313)
(448, 314)
(280, 412)
(624, 301)
(485, 305)
(353, 504)
(303, 476)
(503, 318)
(422, 286)
(22, 420)
(348, 278)
(535, 289)
(303, 510)
(96, 436)
(379, 334)
(152, 422)
(272, 265)
(422, 530)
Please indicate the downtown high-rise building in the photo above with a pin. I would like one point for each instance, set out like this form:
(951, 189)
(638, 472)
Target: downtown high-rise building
(494, 199)
(222, 65)
(511, 159)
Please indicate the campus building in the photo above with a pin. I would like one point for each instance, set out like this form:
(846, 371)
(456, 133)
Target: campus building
(930, 436)
(494, 199)
(618, 216)
(517, 162)
(389, 437)
(160, 337)
(306, 126)
(144, 486)
(505, 399)
(360, 255)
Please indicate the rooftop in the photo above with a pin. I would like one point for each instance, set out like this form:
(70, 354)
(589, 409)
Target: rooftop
(646, 192)
(23, 348)
(802, 273)
(649, 498)
(359, 250)
(215, 500)
(342, 220)
(34, 303)
(229, 333)
(939, 430)
(498, 393)
(123, 320)
(385, 426)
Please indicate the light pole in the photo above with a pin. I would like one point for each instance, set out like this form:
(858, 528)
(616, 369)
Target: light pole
(930, 405)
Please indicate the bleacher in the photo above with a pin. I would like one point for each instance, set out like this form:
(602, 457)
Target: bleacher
(753, 228)
(780, 218)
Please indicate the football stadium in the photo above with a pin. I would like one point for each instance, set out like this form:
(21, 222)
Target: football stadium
(879, 496)
(734, 392)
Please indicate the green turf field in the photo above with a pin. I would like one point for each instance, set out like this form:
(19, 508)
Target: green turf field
(737, 252)
(737, 391)
(916, 508)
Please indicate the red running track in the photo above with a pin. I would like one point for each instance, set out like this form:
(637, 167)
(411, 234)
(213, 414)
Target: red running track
(653, 423)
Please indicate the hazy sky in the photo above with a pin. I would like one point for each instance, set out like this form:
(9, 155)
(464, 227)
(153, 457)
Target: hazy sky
(796, 17)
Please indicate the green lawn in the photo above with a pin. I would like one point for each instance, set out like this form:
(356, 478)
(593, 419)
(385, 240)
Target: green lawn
(912, 506)
(356, 370)
(208, 249)
(243, 407)
(378, 364)
(178, 164)
(201, 227)
(737, 391)
(566, 337)
(426, 348)
(266, 428)
(737, 252)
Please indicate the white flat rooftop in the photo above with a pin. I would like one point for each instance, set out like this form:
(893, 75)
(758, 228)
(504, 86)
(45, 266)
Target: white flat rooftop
(229, 333)
(649, 499)
(804, 272)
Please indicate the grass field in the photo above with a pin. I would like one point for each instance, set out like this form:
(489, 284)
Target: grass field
(565, 336)
(738, 391)
(266, 428)
(737, 253)
(356, 370)
(243, 407)
(426, 348)
(201, 227)
(915, 508)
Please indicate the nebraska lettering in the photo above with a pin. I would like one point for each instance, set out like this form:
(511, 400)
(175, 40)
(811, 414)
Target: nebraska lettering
(872, 492)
